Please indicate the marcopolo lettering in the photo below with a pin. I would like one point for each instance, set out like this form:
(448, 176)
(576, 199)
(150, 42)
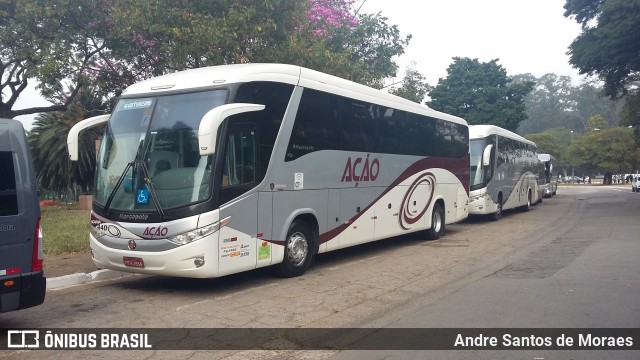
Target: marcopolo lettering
(360, 169)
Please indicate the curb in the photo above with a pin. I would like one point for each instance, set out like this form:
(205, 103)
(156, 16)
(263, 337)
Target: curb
(82, 278)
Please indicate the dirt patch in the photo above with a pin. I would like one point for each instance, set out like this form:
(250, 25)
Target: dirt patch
(65, 264)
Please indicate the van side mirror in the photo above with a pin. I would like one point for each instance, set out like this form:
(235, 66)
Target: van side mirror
(211, 121)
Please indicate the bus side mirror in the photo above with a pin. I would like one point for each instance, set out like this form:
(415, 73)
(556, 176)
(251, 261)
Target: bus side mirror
(211, 121)
(74, 133)
(486, 155)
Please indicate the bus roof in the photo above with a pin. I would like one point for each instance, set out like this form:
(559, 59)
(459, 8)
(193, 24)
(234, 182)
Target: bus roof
(481, 131)
(290, 74)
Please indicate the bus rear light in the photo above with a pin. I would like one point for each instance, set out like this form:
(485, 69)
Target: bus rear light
(38, 252)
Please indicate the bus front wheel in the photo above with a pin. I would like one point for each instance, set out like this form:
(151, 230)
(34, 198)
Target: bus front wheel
(437, 223)
(298, 250)
(498, 214)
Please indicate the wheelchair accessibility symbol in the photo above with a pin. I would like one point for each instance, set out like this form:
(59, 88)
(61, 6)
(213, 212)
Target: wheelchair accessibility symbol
(143, 196)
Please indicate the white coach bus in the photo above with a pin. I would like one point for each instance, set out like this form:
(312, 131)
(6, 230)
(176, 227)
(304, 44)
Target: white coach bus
(504, 168)
(217, 170)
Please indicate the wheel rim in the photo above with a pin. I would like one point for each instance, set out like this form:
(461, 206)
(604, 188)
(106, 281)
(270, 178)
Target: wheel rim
(437, 222)
(298, 248)
(499, 208)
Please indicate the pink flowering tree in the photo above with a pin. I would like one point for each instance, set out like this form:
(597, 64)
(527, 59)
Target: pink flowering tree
(328, 16)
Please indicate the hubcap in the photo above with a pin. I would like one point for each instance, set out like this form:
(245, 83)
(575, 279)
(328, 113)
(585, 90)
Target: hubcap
(437, 222)
(297, 249)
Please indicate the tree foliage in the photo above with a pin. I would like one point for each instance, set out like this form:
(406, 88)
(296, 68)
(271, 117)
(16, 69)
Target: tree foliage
(547, 143)
(47, 140)
(481, 93)
(555, 102)
(609, 44)
(414, 86)
(110, 44)
(611, 151)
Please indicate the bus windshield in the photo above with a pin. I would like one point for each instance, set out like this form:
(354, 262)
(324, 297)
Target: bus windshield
(149, 158)
(476, 149)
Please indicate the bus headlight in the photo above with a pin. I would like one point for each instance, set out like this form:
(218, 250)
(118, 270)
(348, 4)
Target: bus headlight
(199, 233)
(476, 197)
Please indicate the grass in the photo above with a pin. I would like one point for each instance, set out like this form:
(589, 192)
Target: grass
(65, 229)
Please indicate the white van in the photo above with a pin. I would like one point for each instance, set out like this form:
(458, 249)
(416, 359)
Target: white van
(635, 183)
(22, 281)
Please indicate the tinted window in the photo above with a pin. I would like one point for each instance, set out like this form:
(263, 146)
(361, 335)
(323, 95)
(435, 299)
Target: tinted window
(316, 125)
(8, 193)
(357, 125)
(391, 131)
(331, 122)
(275, 97)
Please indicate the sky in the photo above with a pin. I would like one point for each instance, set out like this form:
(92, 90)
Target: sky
(526, 36)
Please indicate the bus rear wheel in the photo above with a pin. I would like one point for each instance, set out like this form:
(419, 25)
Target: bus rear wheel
(526, 207)
(437, 223)
(298, 250)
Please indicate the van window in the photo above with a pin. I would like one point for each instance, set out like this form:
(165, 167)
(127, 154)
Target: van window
(8, 193)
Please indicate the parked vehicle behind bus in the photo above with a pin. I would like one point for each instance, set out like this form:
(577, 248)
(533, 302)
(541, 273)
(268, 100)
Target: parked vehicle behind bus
(550, 173)
(22, 281)
(213, 171)
(503, 171)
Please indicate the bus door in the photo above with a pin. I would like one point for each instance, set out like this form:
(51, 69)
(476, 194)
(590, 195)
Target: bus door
(238, 250)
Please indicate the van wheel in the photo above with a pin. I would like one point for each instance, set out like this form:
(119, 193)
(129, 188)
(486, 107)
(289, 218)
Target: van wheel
(498, 214)
(298, 250)
(437, 223)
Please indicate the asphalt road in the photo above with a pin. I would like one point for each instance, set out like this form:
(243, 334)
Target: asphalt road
(571, 262)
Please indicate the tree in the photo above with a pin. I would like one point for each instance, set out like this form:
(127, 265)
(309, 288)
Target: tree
(611, 151)
(113, 43)
(596, 122)
(609, 44)
(481, 93)
(555, 102)
(547, 143)
(414, 87)
(47, 140)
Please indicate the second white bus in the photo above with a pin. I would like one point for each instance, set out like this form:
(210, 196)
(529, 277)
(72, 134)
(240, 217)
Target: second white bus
(504, 171)
(217, 170)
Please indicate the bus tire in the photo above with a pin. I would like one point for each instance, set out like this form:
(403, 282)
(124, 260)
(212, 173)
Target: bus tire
(527, 206)
(498, 214)
(437, 223)
(298, 250)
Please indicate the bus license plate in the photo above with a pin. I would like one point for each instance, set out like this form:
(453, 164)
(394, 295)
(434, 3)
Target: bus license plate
(133, 262)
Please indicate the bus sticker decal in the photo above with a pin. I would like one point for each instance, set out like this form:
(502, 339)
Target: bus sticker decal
(298, 183)
(264, 251)
(407, 218)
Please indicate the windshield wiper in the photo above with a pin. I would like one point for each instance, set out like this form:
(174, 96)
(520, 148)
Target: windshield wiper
(118, 184)
(152, 191)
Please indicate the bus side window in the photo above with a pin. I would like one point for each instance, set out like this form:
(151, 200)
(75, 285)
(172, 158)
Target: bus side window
(315, 127)
(240, 167)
